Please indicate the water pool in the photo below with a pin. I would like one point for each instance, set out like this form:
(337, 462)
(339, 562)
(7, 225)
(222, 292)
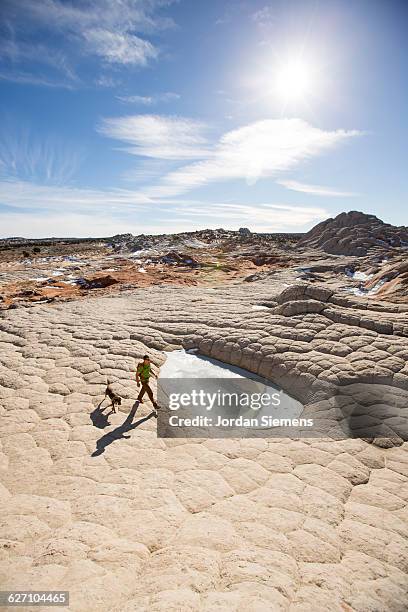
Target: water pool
(181, 364)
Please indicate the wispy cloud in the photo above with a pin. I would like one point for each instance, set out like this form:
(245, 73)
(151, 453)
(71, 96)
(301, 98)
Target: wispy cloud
(264, 16)
(116, 31)
(32, 63)
(120, 15)
(263, 149)
(44, 160)
(148, 170)
(35, 52)
(68, 211)
(20, 193)
(259, 150)
(64, 224)
(167, 96)
(120, 48)
(158, 136)
(27, 78)
(259, 217)
(318, 190)
(107, 80)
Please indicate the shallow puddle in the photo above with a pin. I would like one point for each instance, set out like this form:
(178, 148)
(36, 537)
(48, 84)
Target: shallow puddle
(181, 364)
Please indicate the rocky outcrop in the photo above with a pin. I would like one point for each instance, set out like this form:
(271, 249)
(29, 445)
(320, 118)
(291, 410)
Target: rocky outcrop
(303, 298)
(174, 258)
(391, 282)
(354, 233)
(98, 282)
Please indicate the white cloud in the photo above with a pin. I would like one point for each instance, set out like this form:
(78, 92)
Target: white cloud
(61, 224)
(107, 80)
(146, 100)
(25, 194)
(157, 136)
(259, 217)
(26, 78)
(168, 96)
(259, 150)
(115, 15)
(264, 16)
(318, 190)
(148, 170)
(62, 211)
(120, 48)
(37, 53)
(115, 30)
(24, 156)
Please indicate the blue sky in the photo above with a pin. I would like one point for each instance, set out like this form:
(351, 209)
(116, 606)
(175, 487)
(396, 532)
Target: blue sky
(153, 116)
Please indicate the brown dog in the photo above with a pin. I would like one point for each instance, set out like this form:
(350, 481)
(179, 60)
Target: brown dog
(114, 398)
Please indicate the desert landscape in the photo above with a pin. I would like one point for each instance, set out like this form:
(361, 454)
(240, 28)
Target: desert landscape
(257, 523)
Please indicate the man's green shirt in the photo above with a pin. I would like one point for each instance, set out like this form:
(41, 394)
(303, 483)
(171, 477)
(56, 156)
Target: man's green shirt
(143, 369)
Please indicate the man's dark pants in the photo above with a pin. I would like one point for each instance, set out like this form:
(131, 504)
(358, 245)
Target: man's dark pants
(146, 389)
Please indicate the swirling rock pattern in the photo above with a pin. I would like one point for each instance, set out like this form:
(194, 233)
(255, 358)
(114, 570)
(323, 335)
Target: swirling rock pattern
(153, 524)
(354, 233)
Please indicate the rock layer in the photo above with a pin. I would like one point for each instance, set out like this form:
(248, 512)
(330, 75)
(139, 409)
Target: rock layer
(391, 282)
(354, 233)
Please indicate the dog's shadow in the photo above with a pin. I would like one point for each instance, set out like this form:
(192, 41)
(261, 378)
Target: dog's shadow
(99, 418)
(119, 432)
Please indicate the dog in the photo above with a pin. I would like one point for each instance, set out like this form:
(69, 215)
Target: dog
(114, 398)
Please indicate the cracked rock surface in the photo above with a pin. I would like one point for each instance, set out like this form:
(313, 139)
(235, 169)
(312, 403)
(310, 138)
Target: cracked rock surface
(204, 524)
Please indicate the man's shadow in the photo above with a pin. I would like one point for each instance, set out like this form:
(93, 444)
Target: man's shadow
(120, 431)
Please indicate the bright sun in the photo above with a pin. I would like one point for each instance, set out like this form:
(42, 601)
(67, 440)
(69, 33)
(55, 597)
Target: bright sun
(294, 80)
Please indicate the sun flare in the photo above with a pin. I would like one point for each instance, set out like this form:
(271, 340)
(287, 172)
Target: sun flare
(294, 80)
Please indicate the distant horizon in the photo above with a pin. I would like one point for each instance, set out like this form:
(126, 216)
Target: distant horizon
(202, 229)
(162, 116)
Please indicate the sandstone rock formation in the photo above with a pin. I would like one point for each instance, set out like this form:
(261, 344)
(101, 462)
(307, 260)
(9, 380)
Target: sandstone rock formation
(391, 282)
(202, 525)
(354, 233)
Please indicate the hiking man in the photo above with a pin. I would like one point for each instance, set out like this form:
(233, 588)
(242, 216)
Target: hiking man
(143, 373)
